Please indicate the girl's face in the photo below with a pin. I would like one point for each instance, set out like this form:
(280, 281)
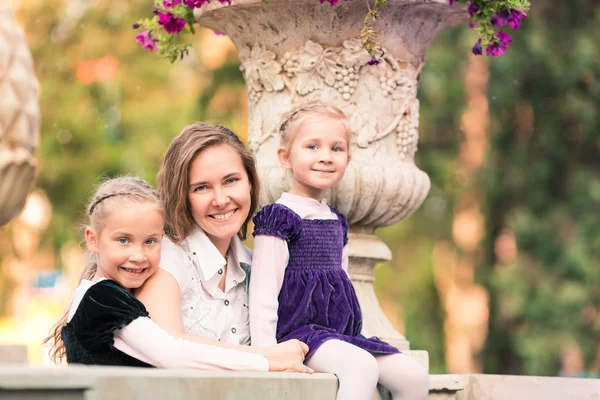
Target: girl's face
(318, 156)
(128, 244)
(219, 194)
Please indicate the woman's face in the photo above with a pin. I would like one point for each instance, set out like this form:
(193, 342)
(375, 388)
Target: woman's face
(219, 193)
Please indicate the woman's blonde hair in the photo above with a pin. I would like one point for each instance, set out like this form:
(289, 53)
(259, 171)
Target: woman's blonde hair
(293, 119)
(173, 176)
(123, 188)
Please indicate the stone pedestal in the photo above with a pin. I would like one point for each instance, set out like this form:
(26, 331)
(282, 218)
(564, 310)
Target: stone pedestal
(19, 117)
(295, 51)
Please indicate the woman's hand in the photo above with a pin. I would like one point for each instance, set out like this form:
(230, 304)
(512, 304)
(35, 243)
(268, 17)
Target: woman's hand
(287, 356)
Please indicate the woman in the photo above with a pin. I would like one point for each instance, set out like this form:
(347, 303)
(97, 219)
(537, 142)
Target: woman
(209, 185)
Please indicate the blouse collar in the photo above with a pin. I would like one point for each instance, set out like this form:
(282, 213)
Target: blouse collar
(211, 260)
(290, 198)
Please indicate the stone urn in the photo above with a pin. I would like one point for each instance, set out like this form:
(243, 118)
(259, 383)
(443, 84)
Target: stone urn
(295, 51)
(19, 117)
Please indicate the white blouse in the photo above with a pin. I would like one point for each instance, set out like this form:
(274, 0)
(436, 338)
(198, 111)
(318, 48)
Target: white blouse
(198, 266)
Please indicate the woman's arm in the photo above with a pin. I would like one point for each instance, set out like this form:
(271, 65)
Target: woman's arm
(269, 261)
(146, 341)
(161, 297)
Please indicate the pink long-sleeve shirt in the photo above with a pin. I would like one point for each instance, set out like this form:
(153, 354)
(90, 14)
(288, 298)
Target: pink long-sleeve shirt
(269, 261)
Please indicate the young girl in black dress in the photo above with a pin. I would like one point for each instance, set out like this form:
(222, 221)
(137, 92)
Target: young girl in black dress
(106, 324)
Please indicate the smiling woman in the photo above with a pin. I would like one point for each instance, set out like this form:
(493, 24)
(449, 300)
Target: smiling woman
(210, 187)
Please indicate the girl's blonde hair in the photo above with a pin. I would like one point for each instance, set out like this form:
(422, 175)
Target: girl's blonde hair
(293, 119)
(173, 176)
(127, 187)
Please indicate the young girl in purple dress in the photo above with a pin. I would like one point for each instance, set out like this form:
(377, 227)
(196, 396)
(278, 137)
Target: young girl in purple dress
(300, 288)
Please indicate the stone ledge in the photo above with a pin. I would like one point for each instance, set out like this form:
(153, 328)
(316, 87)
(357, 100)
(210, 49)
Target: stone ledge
(510, 387)
(103, 383)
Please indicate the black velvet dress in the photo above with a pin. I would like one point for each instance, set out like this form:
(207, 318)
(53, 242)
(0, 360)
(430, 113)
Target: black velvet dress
(89, 336)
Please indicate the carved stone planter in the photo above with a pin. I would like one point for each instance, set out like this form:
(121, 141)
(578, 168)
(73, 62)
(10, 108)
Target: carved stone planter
(19, 117)
(294, 51)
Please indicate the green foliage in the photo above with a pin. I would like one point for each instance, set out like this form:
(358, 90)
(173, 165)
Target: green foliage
(542, 183)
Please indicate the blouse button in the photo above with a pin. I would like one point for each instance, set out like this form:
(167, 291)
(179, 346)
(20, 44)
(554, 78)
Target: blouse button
(233, 330)
(234, 282)
(226, 302)
(220, 271)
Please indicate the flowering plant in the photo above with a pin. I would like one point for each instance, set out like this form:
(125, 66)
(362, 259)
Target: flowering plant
(162, 32)
(486, 15)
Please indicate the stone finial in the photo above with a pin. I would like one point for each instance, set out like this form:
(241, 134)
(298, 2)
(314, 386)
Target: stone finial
(19, 117)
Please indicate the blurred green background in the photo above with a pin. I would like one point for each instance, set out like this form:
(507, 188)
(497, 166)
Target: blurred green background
(499, 269)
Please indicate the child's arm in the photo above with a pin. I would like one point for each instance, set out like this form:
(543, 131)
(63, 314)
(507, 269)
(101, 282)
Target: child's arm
(268, 266)
(345, 260)
(148, 342)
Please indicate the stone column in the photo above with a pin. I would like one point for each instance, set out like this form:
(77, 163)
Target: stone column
(19, 117)
(294, 51)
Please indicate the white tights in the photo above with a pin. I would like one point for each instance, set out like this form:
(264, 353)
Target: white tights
(358, 372)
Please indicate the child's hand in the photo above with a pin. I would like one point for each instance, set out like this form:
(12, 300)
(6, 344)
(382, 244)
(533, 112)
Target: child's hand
(287, 356)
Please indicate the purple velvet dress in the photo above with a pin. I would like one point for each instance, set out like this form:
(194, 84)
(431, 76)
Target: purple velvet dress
(317, 301)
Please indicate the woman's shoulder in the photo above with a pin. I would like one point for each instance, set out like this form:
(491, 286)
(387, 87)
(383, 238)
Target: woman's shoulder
(277, 220)
(174, 259)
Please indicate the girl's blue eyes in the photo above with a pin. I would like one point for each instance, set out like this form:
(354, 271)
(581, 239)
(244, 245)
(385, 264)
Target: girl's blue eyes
(126, 241)
(335, 149)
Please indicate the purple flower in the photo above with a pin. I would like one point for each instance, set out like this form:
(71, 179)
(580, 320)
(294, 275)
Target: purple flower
(496, 49)
(452, 1)
(500, 18)
(515, 18)
(171, 23)
(333, 2)
(472, 24)
(171, 3)
(477, 48)
(146, 40)
(196, 3)
(225, 1)
(373, 61)
(473, 8)
(219, 33)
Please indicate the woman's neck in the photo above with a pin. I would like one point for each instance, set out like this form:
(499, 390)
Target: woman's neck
(221, 244)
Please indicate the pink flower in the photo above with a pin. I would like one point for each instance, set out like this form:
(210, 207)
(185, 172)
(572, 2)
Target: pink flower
(333, 2)
(146, 40)
(219, 33)
(171, 3)
(196, 3)
(171, 23)
(496, 49)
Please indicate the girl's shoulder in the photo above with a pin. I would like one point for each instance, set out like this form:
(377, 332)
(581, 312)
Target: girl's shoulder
(105, 307)
(277, 220)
